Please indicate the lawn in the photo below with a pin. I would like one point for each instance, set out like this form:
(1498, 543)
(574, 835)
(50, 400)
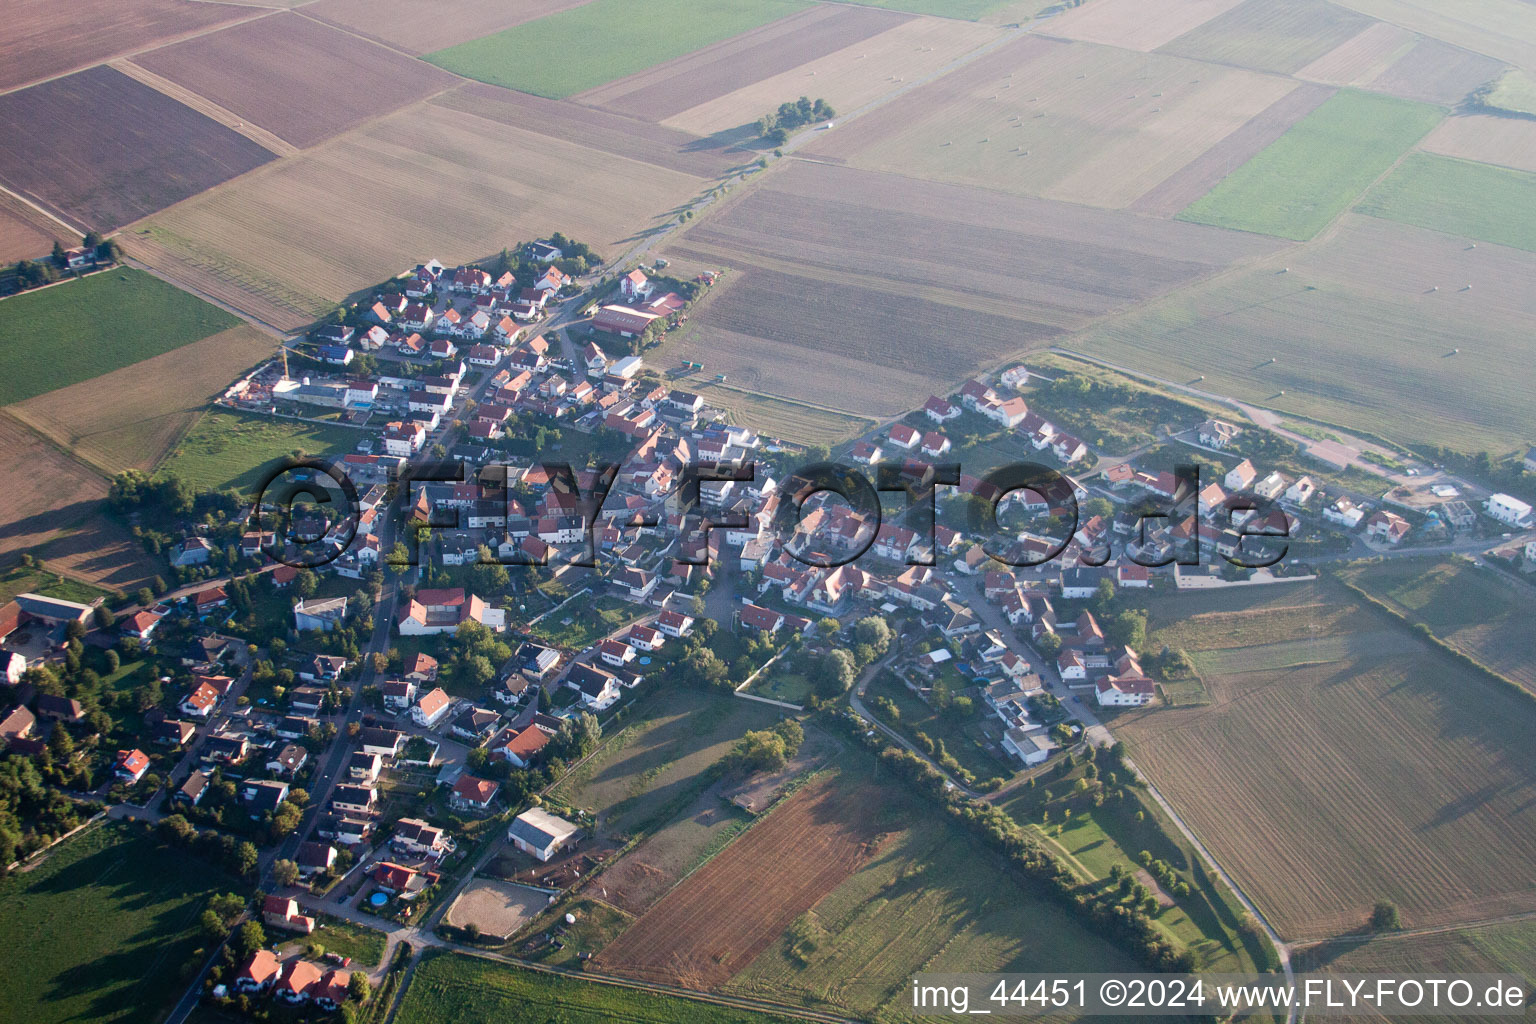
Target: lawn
(781, 683)
(20, 580)
(82, 329)
(960, 735)
(451, 986)
(225, 449)
(581, 48)
(590, 621)
(364, 945)
(1312, 173)
(106, 922)
(1459, 197)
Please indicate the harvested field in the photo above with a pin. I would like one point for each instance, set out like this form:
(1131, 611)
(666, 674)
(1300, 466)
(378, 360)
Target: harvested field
(603, 40)
(1505, 29)
(497, 908)
(121, 150)
(41, 489)
(419, 28)
(297, 78)
(1359, 60)
(1270, 35)
(1135, 24)
(42, 38)
(1507, 141)
(1312, 173)
(1202, 174)
(102, 552)
(792, 421)
(133, 417)
(899, 300)
(606, 132)
(1372, 281)
(730, 910)
(1436, 72)
(1071, 121)
(847, 79)
(645, 874)
(428, 181)
(26, 234)
(209, 109)
(1379, 771)
(671, 88)
(1458, 197)
(1477, 611)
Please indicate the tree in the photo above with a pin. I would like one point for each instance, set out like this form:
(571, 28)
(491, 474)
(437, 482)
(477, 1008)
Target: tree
(211, 926)
(1384, 917)
(306, 583)
(874, 632)
(251, 937)
(357, 987)
(104, 617)
(175, 829)
(245, 859)
(285, 872)
(61, 744)
(835, 673)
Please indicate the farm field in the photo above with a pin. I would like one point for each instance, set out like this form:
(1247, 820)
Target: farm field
(27, 234)
(105, 166)
(657, 759)
(299, 79)
(927, 899)
(1474, 610)
(101, 551)
(993, 275)
(107, 920)
(1135, 25)
(600, 130)
(456, 987)
(1506, 141)
(715, 922)
(1458, 197)
(636, 881)
(1361, 58)
(675, 86)
(847, 79)
(1387, 772)
(1502, 29)
(1437, 72)
(583, 47)
(41, 38)
(55, 337)
(1373, 282)
(1076, 122)
(428, 181)
(226, 449)
(132, 417)
(420, 28)
(20, 580)
(792, 421)
(1268, 36)
(1298, 184)
(43, 489)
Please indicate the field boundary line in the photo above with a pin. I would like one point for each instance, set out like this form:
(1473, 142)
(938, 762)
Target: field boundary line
(50, 215)
(9, 413)
(263, 137)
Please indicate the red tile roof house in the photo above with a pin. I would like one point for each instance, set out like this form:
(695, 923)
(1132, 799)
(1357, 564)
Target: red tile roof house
(297, 979)
(131, 765)
(283, 912)
(904, 437)
(472, 794)
(259, 973)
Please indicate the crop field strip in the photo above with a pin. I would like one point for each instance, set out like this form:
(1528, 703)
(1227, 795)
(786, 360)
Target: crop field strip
(1502, 29)
(43, 38)
(847, 79)
(301, 80)
(1362, 58)
(1458, 197)
(209, 109)
(1298, 184)
(1505, 141)
(1391, 772)
(1077, 122)
(304, 233)
(25, 233)
(1437, 72)
(583, 47)
(671, 88)
(417, 28)
(1282, 36)
(1135, 24)
(728, 911)
(882, 287)
(1396, 292)
(120, 150)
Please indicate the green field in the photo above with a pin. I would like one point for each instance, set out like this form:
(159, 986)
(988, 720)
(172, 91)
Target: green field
(581, 48)
(20, 580)
(225, 449)
(100, 930)
(1459, 197)
(1313, 172)
(1514, 91)
(83, 329)
(364, 945)
(965, 10)
(465, 990)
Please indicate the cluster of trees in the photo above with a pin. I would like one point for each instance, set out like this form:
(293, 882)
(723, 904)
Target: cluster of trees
(236, 856)
(36, 273)
(576, 739)
(775, 127)
(33, 813)
(764, 750)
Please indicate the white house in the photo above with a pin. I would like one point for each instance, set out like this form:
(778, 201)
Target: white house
(1508, 510)
(540, 834)
(1028, 745)
(432, 708)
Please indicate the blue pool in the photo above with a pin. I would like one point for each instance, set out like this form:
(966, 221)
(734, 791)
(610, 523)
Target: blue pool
(378, 899)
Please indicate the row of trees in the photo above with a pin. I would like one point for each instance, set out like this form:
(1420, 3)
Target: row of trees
(775, 127)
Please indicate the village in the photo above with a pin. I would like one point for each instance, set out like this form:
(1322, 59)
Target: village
(380, 751)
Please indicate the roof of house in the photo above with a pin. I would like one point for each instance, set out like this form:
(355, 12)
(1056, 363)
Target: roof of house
(479, 791)
(538, 828)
